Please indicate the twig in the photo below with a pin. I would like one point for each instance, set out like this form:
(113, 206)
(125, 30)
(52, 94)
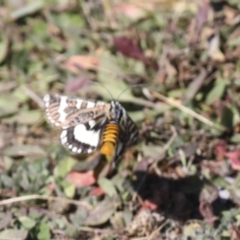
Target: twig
(184, 109)
(153, 234)
(7, 86)
(196, 84)
(33, 96)
(95, 230)
(109, 13)
(170, 141)
(42, 197)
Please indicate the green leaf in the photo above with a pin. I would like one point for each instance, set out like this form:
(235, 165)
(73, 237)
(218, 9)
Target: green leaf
(127, 216)
(110, 79)
(235, 138)
(44, 231)
(117, 220)
(107, 186)
(7, 162)
(25, 117)
(27, 9)
(4, 43)
(79, 216)
(153, 151)
(20, 95)
(24, 150)
(137, 116)
(118, 180)
(216, 92)
(27, 222)
(234, 42)
(227, 117)
(8, 106)
(69, 189)
(72, 231)
(101, 213)
(64, 167)
(13, 234)
(148, 113)
(69, 22)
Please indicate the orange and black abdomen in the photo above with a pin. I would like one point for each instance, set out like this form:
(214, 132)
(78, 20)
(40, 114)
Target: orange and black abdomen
(110, 137)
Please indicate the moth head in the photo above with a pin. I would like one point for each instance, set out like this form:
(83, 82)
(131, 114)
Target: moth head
(116, 111)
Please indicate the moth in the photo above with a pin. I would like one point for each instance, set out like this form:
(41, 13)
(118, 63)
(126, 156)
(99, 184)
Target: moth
(89, 125)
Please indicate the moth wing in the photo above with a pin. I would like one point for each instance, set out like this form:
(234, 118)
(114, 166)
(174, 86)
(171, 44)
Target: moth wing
(81, 121)
(128, 135)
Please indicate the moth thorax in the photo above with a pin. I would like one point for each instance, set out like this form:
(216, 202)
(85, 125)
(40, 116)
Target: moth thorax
(116, 111)
(109, 139)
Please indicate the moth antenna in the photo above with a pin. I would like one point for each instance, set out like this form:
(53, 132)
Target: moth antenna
(133, 86)
(105, 89)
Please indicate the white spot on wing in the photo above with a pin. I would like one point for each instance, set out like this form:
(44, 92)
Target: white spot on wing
(89, 150)
(83, 135)
(100, 103)
(62, 106)
(50, 119)
(79, 102)
(74, 149)
(46, 100)
(92, 123)
(90, 104)
(64, 134)
(64, 140)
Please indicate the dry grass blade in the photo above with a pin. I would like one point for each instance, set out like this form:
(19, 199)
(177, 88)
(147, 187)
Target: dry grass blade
(41, 197)
(33, 96)
(184, 109)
